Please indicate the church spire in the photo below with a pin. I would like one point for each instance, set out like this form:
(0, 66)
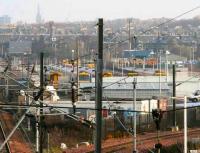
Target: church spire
(38, 16)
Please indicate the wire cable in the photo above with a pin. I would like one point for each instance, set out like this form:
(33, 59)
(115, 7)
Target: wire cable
(88, 108)
(65, 107)
(155, 26)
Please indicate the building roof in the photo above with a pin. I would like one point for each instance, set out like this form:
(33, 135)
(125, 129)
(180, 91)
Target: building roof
(128, 86)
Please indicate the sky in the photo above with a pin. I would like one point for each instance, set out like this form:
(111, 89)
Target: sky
(81, 10)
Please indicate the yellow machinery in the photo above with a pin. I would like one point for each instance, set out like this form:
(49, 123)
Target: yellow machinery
(54, 78)
(68, 62)
(107, 74)
(90, 66)
(159, 73)
(84, 76)
(130, 74)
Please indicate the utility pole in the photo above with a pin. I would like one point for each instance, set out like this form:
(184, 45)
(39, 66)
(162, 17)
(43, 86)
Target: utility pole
(129, 33)
(160, 89)
(174, 95)
(185, 125)
(55, 50)
(74, 95)
(77, 53)
(149, 120)
(51, 40)
(160, 76)
(28, 63)
(48, 146)
(6, 80)
(41, 98)
(28, 98)
(98, 82)
(22, 69)
(191, 62)
(135, 116)
(37, 130)
(73, 86)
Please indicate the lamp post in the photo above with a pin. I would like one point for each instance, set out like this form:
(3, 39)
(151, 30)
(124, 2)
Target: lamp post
(160, 75)
(72, 62)
(72, 54)
(152, 55)
(167, 53)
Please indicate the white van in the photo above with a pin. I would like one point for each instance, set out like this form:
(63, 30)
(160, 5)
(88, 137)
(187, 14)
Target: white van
(195, 96)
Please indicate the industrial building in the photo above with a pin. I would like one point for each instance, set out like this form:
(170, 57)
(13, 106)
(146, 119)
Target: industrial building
(144, 90)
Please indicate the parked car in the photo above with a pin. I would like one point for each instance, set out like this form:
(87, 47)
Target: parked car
(195, 96)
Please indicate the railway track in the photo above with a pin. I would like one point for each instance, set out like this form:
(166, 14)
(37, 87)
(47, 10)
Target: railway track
(17, 143)
(3, 137)
(144, 142)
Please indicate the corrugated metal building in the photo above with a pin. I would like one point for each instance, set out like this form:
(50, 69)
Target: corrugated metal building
(144, 90)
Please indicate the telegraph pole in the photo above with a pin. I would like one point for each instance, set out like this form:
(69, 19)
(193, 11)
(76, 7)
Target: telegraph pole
(74, 95)
(174, 95)
(160, 77)
(77, 53)
(160, 88)
(129, 33)
(28, 85)
(185, 125)
(73, 86)
(135, 116)
(41, 98)
(98, 80)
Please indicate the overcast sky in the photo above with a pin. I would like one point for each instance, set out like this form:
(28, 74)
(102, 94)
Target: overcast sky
(73, 10)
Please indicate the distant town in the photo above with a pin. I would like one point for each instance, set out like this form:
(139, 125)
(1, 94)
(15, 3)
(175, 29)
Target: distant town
(123, 85)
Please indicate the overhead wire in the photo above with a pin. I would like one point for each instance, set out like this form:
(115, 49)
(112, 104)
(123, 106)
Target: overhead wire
(92, 88)
(126, 129)
(111, 84)
(143, 32)
(65, 107)
(187, 80)
(70, 116)
(116, 101)
(88, 108)
(155, 26)
(127, 39)
(150, 29)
